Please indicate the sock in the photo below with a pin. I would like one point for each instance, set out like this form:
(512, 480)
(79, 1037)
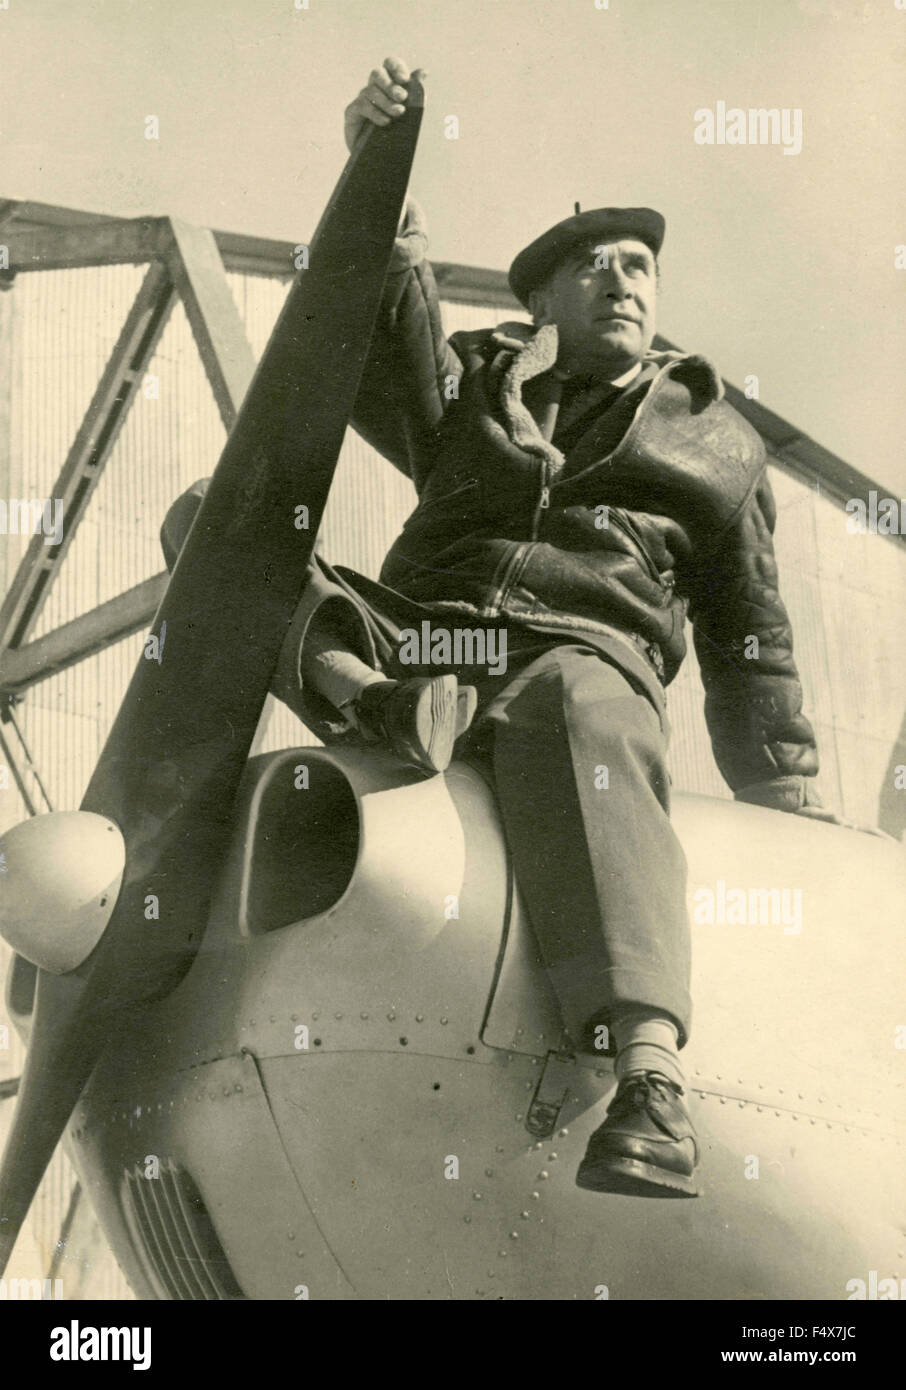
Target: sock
(337, 674)
(646, 1041)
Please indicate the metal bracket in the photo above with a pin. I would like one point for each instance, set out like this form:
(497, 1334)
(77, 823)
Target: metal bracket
(550, 1094)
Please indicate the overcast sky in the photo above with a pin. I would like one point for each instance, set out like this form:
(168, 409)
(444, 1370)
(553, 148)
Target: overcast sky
(779, 265)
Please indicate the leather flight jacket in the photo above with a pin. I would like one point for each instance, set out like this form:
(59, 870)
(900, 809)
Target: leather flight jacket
(659, 511)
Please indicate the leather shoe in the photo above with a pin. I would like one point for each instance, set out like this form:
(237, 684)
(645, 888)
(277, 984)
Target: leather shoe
(420, 719)
(646, 1146)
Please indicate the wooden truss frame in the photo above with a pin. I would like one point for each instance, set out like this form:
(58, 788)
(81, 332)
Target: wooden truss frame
(191, 262)
(184, 261)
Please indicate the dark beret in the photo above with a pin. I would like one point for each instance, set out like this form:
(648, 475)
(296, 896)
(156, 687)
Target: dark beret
(536, 262)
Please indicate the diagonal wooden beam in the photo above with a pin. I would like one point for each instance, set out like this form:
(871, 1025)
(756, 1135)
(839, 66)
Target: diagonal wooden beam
(8, 755)
(84, 464)
(198, 274)
(90, 632)
(10, 382)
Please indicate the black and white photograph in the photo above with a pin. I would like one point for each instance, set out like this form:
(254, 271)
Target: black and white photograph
(453, 660)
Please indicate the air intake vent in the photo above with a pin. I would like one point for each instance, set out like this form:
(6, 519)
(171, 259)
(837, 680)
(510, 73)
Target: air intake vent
(305, 843)
(171, 1228)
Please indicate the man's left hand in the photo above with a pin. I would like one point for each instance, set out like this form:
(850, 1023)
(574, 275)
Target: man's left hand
(783, 794)
(812, 807)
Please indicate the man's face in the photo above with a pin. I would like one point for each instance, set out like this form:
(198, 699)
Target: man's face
(602, 298)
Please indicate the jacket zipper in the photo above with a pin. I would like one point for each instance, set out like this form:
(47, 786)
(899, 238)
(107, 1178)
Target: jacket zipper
(622, 520)
(617, 514)
(519, 549)
(544, 499)
(626, 526)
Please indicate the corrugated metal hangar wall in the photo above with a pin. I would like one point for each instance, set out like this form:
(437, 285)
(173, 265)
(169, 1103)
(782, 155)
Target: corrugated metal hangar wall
(845, 592)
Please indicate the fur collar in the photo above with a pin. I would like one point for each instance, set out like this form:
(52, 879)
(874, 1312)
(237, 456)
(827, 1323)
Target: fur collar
(523, 352)
(528, 353)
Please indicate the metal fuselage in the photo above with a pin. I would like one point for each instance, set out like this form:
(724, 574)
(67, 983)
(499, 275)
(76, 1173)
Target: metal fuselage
(358, 1090)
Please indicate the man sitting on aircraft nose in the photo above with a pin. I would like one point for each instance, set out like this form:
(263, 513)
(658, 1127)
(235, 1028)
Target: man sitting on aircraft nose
(585, 495)
(588, 494)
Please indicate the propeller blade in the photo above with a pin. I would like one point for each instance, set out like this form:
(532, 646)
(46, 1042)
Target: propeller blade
(170, 767)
